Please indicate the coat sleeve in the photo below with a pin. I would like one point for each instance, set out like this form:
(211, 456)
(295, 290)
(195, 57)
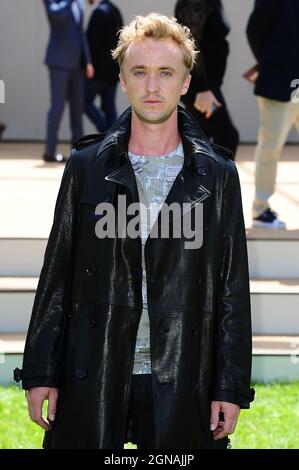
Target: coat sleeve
(41, 360)
(234, 335)
(86, 49)
(264, 12)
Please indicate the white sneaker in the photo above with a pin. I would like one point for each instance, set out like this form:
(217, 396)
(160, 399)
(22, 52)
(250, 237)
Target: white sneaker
(268, 219)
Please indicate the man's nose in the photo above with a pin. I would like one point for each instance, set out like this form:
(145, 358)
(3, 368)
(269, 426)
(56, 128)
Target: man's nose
(152, 83)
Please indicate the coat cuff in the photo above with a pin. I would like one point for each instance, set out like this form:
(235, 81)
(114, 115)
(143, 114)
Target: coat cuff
(234, 392)
(36, 377)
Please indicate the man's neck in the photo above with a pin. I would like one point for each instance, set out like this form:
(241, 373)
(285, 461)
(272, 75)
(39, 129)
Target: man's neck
(154, 139)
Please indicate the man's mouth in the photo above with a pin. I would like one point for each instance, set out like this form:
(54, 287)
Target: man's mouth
(152, 101)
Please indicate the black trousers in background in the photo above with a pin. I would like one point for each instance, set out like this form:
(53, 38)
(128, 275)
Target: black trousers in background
(140, 421)
(219, 128)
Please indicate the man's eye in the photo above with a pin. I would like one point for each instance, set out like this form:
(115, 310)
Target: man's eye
(166, 74)
(139, 73)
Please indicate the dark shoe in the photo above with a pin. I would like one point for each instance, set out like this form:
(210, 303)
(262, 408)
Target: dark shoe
(2, 129)
(268, 219)
(55, 158)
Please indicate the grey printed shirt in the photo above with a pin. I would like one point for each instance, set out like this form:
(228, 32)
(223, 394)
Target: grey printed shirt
(155, 176)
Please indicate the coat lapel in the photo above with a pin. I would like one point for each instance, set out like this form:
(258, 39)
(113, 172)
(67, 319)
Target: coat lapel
(125, 175)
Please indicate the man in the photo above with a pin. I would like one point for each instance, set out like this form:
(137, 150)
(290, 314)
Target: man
(204, 99)
(105, 22)
(67, 58)
(87, 343)
(272, 33)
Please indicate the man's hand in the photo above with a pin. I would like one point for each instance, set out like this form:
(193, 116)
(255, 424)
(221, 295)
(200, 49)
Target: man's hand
(35, 399)
(89, 71)
(204, 103)
(230, 412)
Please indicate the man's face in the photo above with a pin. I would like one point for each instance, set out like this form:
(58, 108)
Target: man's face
(154, 77)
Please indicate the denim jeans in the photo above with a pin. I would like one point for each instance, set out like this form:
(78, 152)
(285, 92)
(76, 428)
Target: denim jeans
(102, 116)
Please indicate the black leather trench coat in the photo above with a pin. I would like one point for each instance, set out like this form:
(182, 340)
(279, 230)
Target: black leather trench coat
(88, 303)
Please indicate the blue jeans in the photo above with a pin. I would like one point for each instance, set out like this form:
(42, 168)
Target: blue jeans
(104, 116)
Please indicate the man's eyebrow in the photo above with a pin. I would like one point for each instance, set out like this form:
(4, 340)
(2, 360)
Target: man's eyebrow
(144, 67)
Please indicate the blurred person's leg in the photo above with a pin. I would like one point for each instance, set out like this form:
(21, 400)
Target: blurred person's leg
(297, 117)
(219, 127)
(92, 89)
(76, 101)
(2, 129)
(108, 103)
(276, 120)
(140, 420)
(59, 79)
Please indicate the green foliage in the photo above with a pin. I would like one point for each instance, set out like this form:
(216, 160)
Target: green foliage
(272, 422)
(17, 431)
(273, 419)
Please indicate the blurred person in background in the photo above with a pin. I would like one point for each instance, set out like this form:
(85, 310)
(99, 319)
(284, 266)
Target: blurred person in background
(2, 100)
(273, 36)
(2, 129)
(67, 59)
(106, 20)
(205, 100)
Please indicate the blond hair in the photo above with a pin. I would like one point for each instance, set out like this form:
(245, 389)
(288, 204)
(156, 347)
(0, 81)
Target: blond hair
(156, 26)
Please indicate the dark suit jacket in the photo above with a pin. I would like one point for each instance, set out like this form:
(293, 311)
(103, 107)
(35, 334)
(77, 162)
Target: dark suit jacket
(103, 25)
(273, 35)
(68, 47)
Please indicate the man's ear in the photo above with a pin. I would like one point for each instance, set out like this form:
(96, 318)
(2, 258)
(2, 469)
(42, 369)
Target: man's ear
(122, 82)
(186, 84)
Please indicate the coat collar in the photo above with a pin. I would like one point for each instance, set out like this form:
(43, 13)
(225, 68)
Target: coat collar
(193, 184)
(193, 139)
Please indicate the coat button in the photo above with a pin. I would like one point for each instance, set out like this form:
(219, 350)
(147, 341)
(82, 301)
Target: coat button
(77, 305)
(17, 373)
(90, 270)
(81, 373)
(195, 384)
(201, 171)
(92, 322)
(195, 330)
(198, 280)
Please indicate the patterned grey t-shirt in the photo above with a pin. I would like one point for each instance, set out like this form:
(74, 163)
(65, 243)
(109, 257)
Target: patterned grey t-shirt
(155, 176)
